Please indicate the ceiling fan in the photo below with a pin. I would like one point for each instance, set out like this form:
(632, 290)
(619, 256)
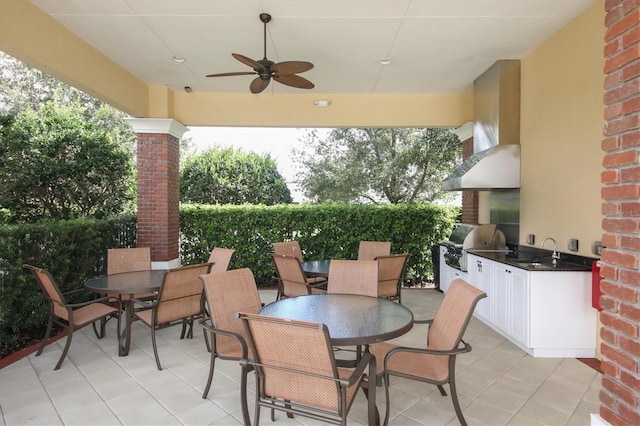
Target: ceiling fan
(282, 72)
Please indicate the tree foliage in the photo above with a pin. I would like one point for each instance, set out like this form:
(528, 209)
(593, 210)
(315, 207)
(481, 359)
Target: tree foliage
(56, 164)
(378, 165)
(230, 176)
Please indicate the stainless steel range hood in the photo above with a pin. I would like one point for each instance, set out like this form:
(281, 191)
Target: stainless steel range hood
(493, 168)
(495, 163)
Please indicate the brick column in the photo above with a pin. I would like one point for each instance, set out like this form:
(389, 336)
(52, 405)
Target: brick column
(158, 160)
(469, 198)
(620, 347)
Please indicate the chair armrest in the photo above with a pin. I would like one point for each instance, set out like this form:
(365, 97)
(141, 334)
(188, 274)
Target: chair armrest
(428, 321)
(89, 302)
(459, 350)
(211, 329)
(144, 304)
(78, 290)
(367, 360)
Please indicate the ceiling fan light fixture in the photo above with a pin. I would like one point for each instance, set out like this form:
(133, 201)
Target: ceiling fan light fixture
(322, 103)
(385, 61)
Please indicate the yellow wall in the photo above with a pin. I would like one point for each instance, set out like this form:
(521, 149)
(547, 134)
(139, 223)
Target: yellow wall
(561, 132)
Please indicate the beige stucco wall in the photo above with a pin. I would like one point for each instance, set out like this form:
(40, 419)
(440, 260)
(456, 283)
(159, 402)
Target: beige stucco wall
(561, 132)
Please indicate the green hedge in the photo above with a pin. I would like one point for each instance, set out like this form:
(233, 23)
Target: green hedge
(75, 250)
(324, 231)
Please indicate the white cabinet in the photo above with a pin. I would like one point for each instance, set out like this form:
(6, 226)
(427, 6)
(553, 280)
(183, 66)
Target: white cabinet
(481, 276)
(546, 313)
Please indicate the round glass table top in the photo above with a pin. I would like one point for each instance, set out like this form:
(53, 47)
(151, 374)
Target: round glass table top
(127, 282)
(351, 319)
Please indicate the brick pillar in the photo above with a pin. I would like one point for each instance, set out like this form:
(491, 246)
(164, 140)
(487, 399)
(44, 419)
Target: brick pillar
(469, 198)
(620, 346)
(158, 160)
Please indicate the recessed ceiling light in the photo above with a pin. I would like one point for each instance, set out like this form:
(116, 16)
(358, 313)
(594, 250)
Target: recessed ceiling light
(178, 59)
(322, 103)
(385, 61)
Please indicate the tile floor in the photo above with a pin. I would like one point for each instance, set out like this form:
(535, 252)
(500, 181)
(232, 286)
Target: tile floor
(498, 384)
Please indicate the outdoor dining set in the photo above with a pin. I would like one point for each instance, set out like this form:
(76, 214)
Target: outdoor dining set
(325, 337)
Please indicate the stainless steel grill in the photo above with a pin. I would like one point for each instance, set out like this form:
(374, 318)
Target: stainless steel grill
(467, 237)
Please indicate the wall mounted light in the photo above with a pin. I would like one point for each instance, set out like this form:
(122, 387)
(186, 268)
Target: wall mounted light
(322, 103)
(188, 89)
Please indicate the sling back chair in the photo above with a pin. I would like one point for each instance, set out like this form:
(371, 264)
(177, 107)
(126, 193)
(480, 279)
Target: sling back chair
(390, 274)
(368, 250)
(70, 316)
(353, 277)
(436, 363)
(288, 248)
(292, 281)
(180, 301)
(228, 293)
(220, 258)
(296, 371)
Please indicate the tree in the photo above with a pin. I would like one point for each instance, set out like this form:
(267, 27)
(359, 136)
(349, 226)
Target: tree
(56, 164)
(377, 165)
(230, 176)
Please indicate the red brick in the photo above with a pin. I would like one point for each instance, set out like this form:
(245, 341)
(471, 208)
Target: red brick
(611, 417)
(607, 335)
(613, 79)
(620, 292)
(609, 176)
(609, 305)
(631, 37)
(619, 192)
(624, 259)
(630, 209)
(621, 92)
(620, 125)
(620, 158)
(629, 277)
(625, 394)
(631, 71)
(609, 5)
(632, 105)
(630, 174)
(622, 25)
(613, 111)
(630, 414)
(611, 209)
(630, 243)
(610, 241)
(630, 139)
(622, 58)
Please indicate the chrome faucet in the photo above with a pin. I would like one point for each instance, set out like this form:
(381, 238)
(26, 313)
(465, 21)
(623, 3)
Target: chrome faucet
(555, 256)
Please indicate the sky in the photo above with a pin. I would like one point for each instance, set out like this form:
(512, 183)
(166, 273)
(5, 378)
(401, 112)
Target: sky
(278, 142)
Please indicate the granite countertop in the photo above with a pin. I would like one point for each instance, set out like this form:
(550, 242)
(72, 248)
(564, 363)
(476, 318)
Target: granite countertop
(531, 259)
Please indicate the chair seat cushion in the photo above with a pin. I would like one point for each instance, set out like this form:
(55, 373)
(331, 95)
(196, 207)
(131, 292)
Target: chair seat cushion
(91, 313)
(424, 366)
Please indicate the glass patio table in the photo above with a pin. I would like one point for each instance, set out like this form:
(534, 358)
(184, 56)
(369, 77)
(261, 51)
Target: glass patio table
(129, 283)
(316, 268)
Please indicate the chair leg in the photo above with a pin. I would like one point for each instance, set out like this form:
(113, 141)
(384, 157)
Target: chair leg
(155, 347)
(456, 403)
(46, 336)
(184, 329)
(442, 391)
(385, 379)
(212, 365)
(243, 392)
(100, 332)
(66, 347)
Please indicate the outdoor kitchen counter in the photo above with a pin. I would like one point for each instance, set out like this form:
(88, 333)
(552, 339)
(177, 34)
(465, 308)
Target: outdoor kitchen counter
(525, 260)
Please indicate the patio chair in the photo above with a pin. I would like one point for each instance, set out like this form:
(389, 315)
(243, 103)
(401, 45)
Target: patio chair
(69, 316)
(390, 273)
(228, 293)
(292, 280)
(368, 250)
(353, 277)
(288, 248)
(292, 378)
(180, 301)
(220, 258)
(436, 363)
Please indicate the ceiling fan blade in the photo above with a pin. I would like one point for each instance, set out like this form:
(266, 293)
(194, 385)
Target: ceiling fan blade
(258, 85)
(291, 67)
(294, 81)
(229, 74)
(250, 62)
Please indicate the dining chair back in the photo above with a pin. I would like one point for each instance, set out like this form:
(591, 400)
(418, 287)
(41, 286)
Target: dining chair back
(434, 364)
(220, 258)
(228, 293)
(128, 260)
(368, 250)
(288, 248)
(292, 281)
(69, 316)
(390, 274)
(296, 371)
(180, 301)
(353, 277)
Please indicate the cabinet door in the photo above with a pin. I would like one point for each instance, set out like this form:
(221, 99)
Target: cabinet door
(519, 293)
(480, 276)
(502, 297)
(444, 271)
